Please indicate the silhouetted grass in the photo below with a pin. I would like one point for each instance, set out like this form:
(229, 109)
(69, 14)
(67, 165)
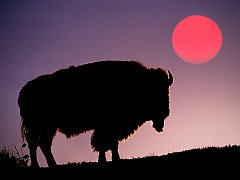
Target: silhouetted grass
(216, 161)
(13, 158)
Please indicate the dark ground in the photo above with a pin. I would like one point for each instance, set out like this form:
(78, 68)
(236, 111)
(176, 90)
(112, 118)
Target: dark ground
(207, 163)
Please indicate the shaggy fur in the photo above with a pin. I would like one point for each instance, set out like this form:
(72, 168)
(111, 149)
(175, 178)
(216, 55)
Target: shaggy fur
(113, 98)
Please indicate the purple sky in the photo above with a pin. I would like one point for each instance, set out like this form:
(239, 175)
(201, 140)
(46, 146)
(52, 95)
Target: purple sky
(39, 37)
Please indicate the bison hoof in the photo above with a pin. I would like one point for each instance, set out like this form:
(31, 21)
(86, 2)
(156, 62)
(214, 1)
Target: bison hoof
(102, 160)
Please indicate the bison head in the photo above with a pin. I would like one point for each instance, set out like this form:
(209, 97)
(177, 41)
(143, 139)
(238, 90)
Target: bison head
(160, 99)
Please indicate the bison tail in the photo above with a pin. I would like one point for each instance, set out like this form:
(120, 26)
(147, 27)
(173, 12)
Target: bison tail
(24, 130)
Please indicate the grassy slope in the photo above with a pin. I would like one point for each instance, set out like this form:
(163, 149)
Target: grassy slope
(216, 161)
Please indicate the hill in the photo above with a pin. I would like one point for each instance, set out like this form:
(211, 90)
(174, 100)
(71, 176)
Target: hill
(215, 161)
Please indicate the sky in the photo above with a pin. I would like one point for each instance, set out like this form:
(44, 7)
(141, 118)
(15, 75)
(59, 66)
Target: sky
(41, 37)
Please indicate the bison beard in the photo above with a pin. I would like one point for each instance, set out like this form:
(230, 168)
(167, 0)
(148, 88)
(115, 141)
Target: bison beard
(112, 98)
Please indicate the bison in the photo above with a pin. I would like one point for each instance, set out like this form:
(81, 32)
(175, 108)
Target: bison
(112, 98)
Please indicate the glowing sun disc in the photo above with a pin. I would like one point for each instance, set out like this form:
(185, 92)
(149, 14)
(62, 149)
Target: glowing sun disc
(197, 39)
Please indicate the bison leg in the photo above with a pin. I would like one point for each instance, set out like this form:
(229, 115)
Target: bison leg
(102, 156)
(32, 140)
(114, 149)
(33, 154)
(98, 142)
(45, 145)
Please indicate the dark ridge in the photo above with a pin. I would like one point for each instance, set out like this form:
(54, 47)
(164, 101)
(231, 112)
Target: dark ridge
(216, 161)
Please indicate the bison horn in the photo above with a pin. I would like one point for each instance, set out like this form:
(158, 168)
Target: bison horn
(170, 78)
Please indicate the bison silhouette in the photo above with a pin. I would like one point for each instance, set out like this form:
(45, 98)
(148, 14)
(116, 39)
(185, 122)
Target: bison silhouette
(112, 98)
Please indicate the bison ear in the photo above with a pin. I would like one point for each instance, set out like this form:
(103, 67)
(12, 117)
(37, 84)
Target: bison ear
(170, 78)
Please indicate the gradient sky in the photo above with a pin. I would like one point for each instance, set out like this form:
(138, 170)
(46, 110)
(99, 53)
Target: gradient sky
(39, 37)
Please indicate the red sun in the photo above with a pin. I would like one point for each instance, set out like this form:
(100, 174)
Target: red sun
(197, 39)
